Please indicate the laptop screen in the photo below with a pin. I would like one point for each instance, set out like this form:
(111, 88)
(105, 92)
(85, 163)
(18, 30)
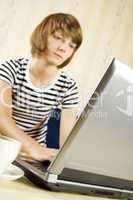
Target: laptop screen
(102, 139)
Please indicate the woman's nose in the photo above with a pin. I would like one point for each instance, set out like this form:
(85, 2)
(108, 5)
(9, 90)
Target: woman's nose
(63, 47)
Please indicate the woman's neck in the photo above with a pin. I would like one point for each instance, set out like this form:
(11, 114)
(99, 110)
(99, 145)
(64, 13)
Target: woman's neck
(41, 73)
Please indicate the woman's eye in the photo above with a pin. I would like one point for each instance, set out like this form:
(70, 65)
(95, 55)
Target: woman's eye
(57, 37)
(72, 46)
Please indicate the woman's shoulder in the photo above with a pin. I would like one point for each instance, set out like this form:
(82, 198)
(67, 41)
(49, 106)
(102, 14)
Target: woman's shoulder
(21, 62)
(66, 77)
(9, 69)
(14, 62)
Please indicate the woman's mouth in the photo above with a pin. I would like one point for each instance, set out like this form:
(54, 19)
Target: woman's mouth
(58, 55)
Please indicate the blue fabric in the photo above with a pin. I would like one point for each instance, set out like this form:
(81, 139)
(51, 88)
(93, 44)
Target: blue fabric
(52, 139)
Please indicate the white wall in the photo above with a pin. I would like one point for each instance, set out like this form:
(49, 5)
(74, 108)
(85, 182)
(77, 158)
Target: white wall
(107, 28)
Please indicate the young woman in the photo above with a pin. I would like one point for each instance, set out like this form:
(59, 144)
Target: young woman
(31, 88)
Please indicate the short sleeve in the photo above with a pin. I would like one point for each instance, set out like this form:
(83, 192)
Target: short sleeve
(71, 98)
(8, 72)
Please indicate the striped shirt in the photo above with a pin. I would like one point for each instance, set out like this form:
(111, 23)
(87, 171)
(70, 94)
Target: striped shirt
(31, 105)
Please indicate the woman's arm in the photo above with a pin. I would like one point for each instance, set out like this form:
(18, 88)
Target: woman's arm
(9, 128)
(68, 120)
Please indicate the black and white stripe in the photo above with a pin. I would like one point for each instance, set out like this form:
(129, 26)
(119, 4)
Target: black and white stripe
(32, 107)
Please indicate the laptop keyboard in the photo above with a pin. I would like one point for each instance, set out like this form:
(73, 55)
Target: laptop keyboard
(42, 166)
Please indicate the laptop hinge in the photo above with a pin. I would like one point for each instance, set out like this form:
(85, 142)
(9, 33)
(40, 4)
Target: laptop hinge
(52, 178)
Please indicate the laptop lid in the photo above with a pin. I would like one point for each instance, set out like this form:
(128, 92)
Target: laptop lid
(102, 140)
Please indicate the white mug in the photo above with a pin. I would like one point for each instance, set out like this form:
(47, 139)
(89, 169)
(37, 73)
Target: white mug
(9, 149)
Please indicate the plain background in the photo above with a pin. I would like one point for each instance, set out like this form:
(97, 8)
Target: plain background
(107, 29)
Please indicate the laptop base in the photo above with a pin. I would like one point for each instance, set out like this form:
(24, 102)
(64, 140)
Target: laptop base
(70, 187)
(63, 184)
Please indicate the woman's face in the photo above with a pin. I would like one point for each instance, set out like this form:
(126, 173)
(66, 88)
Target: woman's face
(59, 48)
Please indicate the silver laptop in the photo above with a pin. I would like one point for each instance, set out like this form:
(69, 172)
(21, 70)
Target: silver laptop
(97, 156)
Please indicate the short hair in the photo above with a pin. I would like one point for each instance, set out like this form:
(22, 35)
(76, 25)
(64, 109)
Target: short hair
(66, 23)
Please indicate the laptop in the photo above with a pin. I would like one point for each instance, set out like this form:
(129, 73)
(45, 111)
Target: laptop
(96, 158)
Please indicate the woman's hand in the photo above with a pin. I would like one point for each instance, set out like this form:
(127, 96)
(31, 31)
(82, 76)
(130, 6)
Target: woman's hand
(40, 153)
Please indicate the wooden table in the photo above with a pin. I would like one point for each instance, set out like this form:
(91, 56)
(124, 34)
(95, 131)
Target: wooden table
(22, 189)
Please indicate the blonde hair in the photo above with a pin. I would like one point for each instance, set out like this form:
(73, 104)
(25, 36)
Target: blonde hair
(66, 23)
